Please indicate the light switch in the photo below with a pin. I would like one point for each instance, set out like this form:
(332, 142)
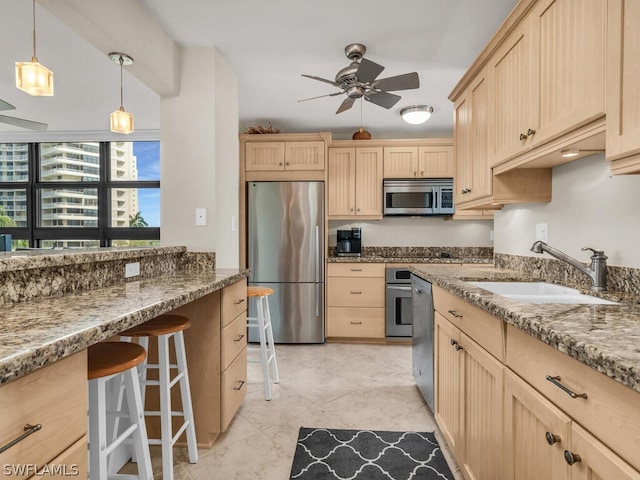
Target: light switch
(201, 217)
(542, 232)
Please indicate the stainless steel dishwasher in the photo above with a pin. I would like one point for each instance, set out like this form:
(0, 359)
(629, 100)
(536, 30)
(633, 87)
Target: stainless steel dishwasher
(423, 337)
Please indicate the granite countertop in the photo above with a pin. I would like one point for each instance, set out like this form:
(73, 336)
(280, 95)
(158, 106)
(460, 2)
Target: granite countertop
(39, 332)
(401, 259)
(604, 337)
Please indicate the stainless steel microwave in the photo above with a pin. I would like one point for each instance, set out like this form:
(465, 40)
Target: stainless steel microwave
(418, 197)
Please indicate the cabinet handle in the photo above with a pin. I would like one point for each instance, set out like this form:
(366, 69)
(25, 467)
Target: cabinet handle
(28, 430)
(415, 174)
(421, 173)
(280, 164)
(455, 314)
(571, 393)
(240, 337)
(239, 387)
(530, 132)
(356, 269)
(287, 163)
(239, 301)
(355, 323)
(571, 457)
(357, 209)
(456, 344)
(552, 438)
(523, 137)
(351, 209)
(356, 293)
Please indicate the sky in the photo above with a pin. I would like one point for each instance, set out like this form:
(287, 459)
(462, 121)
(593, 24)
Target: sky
(148, 159)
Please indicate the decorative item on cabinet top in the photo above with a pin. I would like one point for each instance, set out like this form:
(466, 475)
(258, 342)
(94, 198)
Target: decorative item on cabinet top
(258, 128)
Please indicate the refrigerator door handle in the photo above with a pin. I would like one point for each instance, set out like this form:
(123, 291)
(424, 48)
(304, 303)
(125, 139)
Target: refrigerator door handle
(317, 299)
(317, 253)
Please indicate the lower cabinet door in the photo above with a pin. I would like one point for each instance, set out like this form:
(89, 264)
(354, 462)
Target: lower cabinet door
(483, 379)
(594, 461)
(536, 434)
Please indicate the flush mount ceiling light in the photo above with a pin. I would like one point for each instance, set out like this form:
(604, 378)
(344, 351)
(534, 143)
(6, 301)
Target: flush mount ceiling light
(416, 114)
(574, 152)
(33, 77)
(121, 121)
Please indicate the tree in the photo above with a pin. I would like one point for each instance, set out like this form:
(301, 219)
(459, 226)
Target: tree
(5, 220)
(137, 220)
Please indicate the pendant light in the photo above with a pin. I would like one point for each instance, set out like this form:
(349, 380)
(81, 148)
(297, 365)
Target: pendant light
(33, 77)
(121, 121)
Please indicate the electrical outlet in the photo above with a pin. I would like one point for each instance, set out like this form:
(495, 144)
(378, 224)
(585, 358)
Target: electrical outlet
(201, 217)
(542, 232)
(491, 235)
(132, 270)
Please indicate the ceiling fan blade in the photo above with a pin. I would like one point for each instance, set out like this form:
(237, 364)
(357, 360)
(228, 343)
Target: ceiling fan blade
(21, 122)
(6, 106)
(407, 81)
(330, 82)
(383, 99)
(321, 96)
(368, 71)
(346, 105)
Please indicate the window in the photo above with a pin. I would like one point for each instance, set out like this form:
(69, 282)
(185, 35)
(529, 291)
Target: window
(80, 194)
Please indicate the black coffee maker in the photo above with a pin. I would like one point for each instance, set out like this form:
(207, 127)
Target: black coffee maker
(349, 243)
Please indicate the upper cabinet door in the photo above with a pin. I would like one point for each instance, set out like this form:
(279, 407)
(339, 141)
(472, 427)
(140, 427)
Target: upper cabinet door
(304, 156)
(512, 72)
(400, 162)
(261, 156)
(341, 192)
(569, 40)
(369, 181)
(623, 87)
(435, 162)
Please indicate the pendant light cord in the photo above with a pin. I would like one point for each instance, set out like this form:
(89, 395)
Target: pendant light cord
(35, 58)
(121, 94)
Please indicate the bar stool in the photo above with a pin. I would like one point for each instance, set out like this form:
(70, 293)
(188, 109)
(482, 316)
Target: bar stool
(163, 328)
(262, 321)
(105, 361)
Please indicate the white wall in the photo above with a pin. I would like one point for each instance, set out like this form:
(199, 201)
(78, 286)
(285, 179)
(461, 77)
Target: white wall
(589, 207)
(199, 156)
(419, 232)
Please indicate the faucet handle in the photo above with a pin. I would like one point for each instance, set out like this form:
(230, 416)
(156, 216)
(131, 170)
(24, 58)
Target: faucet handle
(599, 254)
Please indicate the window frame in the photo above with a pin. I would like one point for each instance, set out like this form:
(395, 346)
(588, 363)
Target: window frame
(104, 232)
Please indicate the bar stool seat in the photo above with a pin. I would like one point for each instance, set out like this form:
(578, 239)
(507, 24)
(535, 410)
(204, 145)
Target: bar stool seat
(262, 321)
(105, 361)
(163, 328)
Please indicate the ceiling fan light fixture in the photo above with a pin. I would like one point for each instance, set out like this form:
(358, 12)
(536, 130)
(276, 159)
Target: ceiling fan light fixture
(416, 114)
(121, 120)
(33, 77)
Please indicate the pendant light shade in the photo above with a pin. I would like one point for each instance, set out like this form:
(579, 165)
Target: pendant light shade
(121, 121)
(33, 77)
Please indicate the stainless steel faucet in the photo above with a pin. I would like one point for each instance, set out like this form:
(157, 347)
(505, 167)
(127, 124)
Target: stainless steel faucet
(597, 271)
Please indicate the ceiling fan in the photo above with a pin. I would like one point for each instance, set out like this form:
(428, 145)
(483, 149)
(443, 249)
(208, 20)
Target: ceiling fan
(19, 122)
(359, 80)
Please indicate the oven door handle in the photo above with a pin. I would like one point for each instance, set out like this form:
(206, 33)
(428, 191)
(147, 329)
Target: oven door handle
(399, 287)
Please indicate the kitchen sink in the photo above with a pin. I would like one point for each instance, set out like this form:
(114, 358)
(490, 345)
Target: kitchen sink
(540, 292)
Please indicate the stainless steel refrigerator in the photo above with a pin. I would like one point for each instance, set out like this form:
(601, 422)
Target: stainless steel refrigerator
(285, 253)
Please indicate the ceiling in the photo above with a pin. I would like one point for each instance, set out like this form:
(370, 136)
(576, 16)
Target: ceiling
(268, 44)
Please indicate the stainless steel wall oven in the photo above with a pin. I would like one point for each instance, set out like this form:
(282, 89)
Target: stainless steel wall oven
(399, 314)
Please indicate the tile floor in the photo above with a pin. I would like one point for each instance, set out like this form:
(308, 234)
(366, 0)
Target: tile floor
(331, 385)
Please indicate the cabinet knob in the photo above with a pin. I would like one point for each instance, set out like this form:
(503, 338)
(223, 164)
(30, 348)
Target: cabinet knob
(531, 132)
(357, 209)
(552, 438)
(571, 457)
(456, 344)
(523, 137)
(415, 174)
(351, 209)
(421, 173)
(280, 163)
(287, 163)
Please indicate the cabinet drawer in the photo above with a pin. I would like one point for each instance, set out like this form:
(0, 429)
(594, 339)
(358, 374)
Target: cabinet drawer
(55, 397)
(233, 388)
(348, 292)
(355, 270)
(234, 301)
(611, 411)
(355, 322)
(484, 328)
(234, 340)
(73, 459)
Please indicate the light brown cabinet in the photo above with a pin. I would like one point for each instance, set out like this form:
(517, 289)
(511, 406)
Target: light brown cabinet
(280, 156)
(418, 162)
(497, 390)
(543, 72)
(623, 92)
(55, 397)
(354, 183)
(355, 300)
